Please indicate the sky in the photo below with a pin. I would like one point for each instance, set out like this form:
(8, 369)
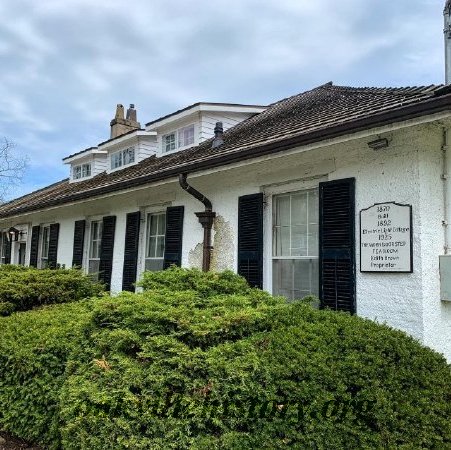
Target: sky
(65, 64)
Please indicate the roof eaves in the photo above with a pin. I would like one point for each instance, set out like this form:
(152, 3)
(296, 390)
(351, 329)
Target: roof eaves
(423, 107)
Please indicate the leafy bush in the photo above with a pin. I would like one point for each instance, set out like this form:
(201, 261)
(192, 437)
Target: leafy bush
(34, 350)
(210, 369)
(203, 284)
(23, 288)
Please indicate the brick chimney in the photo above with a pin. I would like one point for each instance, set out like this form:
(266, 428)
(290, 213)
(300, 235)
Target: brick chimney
(119, 125)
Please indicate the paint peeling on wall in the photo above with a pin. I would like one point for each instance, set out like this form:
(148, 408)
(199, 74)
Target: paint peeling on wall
(195, 256)
(223, 245)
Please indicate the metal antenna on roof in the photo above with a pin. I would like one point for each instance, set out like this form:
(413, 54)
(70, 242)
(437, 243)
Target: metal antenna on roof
(447, 33)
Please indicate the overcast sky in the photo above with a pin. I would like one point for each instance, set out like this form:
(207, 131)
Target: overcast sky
(65, 64)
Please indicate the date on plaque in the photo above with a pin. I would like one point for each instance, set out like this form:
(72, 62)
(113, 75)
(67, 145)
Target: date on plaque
(386, 238)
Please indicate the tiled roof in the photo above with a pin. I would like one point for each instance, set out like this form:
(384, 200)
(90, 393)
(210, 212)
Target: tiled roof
(318, 114)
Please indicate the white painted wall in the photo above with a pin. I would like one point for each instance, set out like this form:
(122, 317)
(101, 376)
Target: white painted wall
(209, 119)
(406, 172)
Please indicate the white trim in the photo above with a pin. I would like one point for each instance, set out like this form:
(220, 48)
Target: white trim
(145, 211)
(268, 194)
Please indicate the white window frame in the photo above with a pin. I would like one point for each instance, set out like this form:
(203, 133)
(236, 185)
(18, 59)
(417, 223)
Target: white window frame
(44, 252)
(269, 192)
(84, 171)
(118, 159)
(177, 140)
(89, 241)
(148, 236)
(181, 135)
(145, 211)
(164, 144)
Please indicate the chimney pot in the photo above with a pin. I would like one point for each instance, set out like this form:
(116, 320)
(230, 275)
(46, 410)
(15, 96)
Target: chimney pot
(219, 135)
(120, 125)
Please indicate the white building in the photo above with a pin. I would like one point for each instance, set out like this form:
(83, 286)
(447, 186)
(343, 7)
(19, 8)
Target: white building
(341, 192)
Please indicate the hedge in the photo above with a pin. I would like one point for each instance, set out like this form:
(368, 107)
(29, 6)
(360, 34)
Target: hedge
(206, 368)
(23, 288)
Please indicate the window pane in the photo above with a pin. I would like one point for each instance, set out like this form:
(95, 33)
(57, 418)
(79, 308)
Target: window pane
(186, 136)
(45, 242)
(299, 240)
(152, 247)
(162, 224)
(154, 264)
(313, 206)
(169, 142)
(299, 209)
(93, 267)
(153, 224)
(159, 247)
(282, 241)
(295, 278)
(313, 240)
(129, 155)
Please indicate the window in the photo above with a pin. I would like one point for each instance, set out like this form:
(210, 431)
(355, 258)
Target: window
(3, 247)
(95, 242)
(81, 171)
(45, 247)
(178, 139)
(123, 158)
(295, 244)
(169, 142)
(156, 231)
(186, 136)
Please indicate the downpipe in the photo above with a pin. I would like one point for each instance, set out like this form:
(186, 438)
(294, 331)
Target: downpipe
(205, 219)
(446, 171)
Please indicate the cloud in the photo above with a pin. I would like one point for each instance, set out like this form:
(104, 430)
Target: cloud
(65, 65)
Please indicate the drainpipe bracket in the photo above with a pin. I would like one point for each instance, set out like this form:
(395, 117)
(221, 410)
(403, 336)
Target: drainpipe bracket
(206, 218)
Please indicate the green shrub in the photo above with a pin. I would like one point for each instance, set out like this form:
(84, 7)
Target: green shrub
(250, 371)
(34, 350)
(23, 288)
(176, 367)
(204, 284)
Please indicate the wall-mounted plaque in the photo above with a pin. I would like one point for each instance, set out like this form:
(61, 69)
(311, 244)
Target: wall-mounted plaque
(386, 238)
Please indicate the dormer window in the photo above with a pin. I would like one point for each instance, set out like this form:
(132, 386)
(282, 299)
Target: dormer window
(186, 136)
(183, 137)
(122, 158)
(169, 142)
(81, 171)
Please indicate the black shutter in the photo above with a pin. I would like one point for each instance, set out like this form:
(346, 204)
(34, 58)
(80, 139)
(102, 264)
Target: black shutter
(106, 251)
(34, 245)
(337, 244)
(174, 234)
(250, 239)
(131, 251)
(53, 245)
(8, 249)
(79, 240)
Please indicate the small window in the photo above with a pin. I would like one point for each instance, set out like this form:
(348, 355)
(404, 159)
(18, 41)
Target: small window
(183, 137)
(123, 158)
(81, 171)
(295, 244)
(156, 231)
(45, 240)
(95, 242)
(186, 136)
(169, 142)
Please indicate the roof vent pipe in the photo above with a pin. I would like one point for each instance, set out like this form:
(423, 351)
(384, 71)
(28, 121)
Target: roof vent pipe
(447, 33)
(219, 133)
